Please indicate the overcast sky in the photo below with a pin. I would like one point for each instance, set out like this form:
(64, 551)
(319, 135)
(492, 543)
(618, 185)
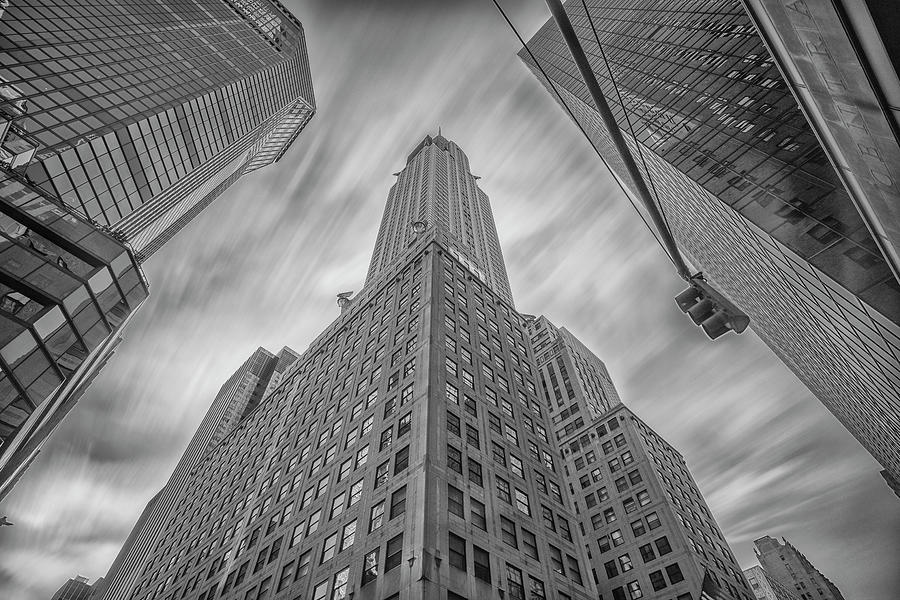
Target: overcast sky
(261, 267)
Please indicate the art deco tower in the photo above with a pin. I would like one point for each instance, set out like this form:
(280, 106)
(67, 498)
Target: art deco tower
(144, 112)
(649, 531)
(405, 454)
(751, 196)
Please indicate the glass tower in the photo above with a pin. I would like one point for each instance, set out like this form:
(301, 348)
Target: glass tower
(649, 531)
(747, 191)
(119, 123)
(144, 112)
(406, 453)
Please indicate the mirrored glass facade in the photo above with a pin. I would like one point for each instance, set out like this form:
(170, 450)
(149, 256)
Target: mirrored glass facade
(66, 289)
(747, 191)
(146, 111)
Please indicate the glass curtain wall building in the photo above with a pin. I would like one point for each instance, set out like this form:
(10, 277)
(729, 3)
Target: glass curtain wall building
(119, 123)
(406, 454)
(747, 191)
(145, 112)
(647, 527)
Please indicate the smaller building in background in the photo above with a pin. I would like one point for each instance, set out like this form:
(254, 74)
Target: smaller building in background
(785, 565)
(648, 530)
(76, 589)
(765, 588)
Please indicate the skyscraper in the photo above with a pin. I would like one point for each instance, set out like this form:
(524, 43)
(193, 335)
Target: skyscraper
(648, 529)
(144, 112)
(238, 397)
(787, 566)
(766, 588)
(406, 452)
(66, 291)
(119, 123)
(74, 589)
(748, 192)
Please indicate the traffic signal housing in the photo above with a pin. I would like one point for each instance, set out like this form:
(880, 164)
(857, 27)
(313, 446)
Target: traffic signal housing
(709, 309)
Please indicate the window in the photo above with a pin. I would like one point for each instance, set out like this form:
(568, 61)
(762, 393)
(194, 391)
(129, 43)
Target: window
(339, 587)
(454, 459)
(647, 553)
(455, 502)
(547, 515)
(556, 559)
(457, 552)
(515, 465)
(508, 532)
(370, 566)
(522, 503)
(287, 574)
(398, 503)
(514, 583)
(376, 516)
(537, 589)
(643, 497)
(477, 513)
(348, 535)
(653, 520)
(616, 537)
(355, 493)
(638, 529)
(387, 438)
(393, 553)
(475, 472)
(657, 581)
(362, 455)
(625, 563)
(529, 542)
(503, 490)
(674, 573)
(611, 570)
(634, 477)
(302, 565)
(328, 547)
(574, 571)
(320, 592)
(401, 460)
(663, 546)
(634, 590)
(472, 436)
(498, 453)
(404, 425)
(482, 561)
(452, 394)
(313, 524)
(609, 515)
(337, 506)
(453, 424)
(629, 505)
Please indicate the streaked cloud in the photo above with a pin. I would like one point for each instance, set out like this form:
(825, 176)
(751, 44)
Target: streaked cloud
(262, 265)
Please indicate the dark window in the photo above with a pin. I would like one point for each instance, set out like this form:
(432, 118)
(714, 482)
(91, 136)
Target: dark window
(393, 553)
(455, 502)
(454, 459)
(674, 573)
(401, 460)
(508, 532)
(657, 580)
(475, 472)
(476, 509)
(398, 502)
(662, 545)
(647, 553)
(530, 544)
(457, 552)
(482, 562)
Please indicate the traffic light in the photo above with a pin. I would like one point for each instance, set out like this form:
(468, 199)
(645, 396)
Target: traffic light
(710, 309)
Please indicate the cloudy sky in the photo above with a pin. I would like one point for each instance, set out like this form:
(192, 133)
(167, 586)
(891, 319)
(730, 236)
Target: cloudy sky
(261, 267)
